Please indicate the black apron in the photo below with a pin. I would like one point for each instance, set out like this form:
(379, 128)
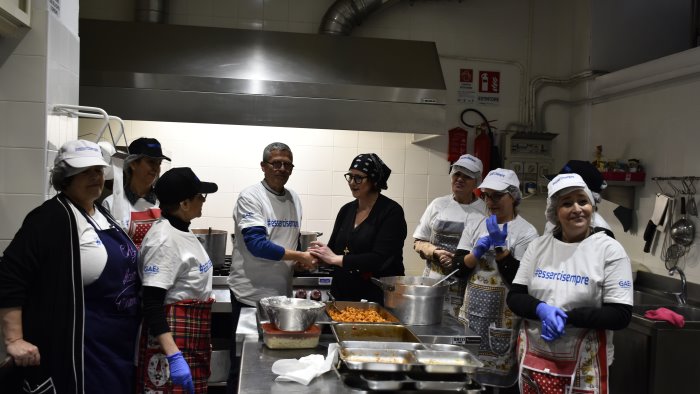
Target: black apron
(112, 316)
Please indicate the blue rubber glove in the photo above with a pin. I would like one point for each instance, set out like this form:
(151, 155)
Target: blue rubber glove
(180, 372)
(553, 318)
(482, 246)
(498, 236)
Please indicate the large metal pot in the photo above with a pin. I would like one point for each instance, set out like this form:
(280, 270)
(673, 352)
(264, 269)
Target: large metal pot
(413, 299)
(214, 242)
(306, 237)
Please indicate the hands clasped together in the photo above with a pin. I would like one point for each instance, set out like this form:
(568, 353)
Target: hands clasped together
(496, 237)
(323, 253)
(553, 321)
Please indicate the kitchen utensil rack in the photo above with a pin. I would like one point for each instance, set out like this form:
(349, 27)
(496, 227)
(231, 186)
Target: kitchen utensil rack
(82, 111)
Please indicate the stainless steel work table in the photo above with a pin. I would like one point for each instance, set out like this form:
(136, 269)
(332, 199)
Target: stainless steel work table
(256, 360)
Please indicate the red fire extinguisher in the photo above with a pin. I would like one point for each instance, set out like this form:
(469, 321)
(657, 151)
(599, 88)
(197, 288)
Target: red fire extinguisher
(457, 144)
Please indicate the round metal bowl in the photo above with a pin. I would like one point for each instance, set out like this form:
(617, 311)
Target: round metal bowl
(292, 314)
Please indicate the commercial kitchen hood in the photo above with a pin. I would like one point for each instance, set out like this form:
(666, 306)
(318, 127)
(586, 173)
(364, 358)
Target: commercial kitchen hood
(160, 72)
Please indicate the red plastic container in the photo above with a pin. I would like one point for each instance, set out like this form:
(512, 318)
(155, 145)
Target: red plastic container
(278, 339)
(624, 176)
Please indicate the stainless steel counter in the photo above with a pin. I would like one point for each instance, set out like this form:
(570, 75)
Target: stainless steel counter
(256, 359)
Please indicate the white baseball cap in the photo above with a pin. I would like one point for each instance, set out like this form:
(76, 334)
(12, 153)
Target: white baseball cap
(80, 154)
(500, 179)
(467, 165)
(568, 181)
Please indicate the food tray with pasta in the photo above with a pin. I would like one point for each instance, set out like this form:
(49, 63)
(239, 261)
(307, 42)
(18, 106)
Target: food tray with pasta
(359, 312)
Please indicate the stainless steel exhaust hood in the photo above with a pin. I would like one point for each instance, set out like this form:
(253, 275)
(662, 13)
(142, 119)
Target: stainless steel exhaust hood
(145, 71)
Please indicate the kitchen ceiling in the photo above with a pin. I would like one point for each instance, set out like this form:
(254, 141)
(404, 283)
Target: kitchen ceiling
(159, 72)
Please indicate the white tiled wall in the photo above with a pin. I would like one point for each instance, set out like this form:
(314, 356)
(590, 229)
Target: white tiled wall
(41, 71)
(230, 156)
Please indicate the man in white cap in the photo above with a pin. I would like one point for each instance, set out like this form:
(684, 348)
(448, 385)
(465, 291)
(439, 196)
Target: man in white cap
(437, 234)
(491, 253)
(574, 287)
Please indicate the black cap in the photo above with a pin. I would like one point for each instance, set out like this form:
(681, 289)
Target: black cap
(147, 146)
(179, 184)
(590, 174)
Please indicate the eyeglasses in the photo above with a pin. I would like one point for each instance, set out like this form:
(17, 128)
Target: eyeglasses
(357, 179)
(495, 197)
(279, 164)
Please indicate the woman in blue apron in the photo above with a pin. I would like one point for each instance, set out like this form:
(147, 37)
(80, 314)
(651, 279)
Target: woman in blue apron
(112, 315)
(69, 287)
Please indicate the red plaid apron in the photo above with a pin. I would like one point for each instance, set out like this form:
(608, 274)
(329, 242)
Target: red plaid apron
(190, 324)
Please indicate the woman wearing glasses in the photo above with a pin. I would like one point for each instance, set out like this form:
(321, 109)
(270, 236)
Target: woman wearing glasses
(368, 235)
(177, 285)
(441, 226)
(491, 251)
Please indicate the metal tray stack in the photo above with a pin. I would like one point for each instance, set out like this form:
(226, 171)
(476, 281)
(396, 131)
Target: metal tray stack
(408, 357)
(372, 365)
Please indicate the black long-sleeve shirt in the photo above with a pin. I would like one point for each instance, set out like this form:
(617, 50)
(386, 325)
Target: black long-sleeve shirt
(374, 248)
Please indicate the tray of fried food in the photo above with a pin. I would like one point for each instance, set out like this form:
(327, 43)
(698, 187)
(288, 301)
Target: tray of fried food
(359, 312)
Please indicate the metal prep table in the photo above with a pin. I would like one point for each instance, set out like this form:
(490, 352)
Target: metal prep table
(256, 359)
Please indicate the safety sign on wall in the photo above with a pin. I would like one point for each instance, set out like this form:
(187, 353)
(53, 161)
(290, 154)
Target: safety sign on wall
(489, 87)
(465, 92)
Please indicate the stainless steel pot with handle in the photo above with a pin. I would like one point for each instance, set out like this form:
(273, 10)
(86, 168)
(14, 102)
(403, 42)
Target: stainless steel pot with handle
(306, 237)
(214, 242)
(413, 299)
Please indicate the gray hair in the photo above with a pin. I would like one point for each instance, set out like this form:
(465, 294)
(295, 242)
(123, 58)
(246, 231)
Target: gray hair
(275, 146)
(515, 193)
(128, 172)
(60, 178)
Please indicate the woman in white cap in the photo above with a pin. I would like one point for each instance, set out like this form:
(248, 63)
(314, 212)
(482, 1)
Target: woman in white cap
(573, 287)
(135, 204)
(595, 183)
(177, 287)
(368, 235)
(69, 287)
(437, 235)
(491, 251)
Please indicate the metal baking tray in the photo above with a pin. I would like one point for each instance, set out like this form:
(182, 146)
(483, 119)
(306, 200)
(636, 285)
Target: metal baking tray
(388, 360)
(437, 361)
(373, 332)
(383, 312)
(382, 345)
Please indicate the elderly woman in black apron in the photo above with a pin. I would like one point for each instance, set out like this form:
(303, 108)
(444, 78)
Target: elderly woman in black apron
(368, 235)
(69, 287)
(573, 287)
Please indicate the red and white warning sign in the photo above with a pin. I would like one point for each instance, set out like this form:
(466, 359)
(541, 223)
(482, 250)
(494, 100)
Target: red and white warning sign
(489, 87)
(465, 92)
(489, 81)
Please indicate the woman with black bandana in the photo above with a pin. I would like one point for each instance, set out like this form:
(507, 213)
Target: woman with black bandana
(368, 235)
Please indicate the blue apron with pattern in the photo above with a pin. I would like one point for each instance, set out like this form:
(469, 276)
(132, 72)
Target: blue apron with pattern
(112, 316)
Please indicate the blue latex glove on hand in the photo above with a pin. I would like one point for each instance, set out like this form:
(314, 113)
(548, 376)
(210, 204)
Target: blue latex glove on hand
(498, 236)
(482, 246)
(553, 319)
(180, 372)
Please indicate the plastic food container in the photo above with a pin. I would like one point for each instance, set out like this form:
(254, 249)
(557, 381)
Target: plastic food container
(278, 339)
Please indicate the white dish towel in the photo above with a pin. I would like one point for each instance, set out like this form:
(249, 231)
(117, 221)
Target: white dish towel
(305, 369)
